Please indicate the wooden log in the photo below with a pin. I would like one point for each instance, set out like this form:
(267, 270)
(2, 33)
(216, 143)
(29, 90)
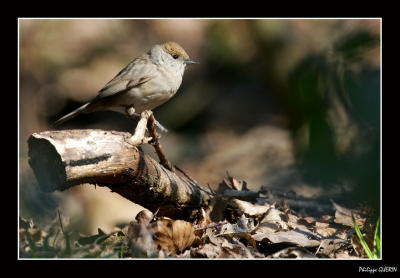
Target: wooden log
(62, 159)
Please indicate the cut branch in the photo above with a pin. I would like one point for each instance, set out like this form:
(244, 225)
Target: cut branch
(62, 159)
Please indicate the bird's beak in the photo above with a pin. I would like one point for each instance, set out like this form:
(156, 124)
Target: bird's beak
(190, 62)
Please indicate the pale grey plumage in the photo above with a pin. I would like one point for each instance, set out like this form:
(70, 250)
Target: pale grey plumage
(145, 83)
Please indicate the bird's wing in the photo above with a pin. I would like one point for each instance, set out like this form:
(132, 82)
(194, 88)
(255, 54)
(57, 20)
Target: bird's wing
(122, 81)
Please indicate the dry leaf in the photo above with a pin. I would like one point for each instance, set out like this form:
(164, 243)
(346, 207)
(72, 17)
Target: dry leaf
(25, 224)
(343, 216)
(212, 238)
(35, 234)
(293, 252)
(242, 226)
(345, 255)
(246, 224)
(358, 248)
(185, 254)
(324, 229)
(307, 221)
(326, 218)
(163, 235)
(242, 229)
(208, 250)
(204, 219)
(174, 236)
(292, 221)
(228, 253)
(267, 227)
(272, 221)
(182, 234)
(228, 229)
(250, 209)
(236, 184)
(232, 183)
(347, 220)
(296, 237)
(330, 246)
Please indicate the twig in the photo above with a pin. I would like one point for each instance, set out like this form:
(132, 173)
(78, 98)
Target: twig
(157, 146)
(202, 189)
(211, 226)
(194, 181)
(186, 175)
(212, 191)
(147, 120)
(316, 252)
(155, 214)
(59, 219)
(55, 237)
(66, 236)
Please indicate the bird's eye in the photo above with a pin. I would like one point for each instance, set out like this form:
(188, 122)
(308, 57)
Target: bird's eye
(175, 56)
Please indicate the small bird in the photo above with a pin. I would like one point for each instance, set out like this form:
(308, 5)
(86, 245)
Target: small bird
(145, 83)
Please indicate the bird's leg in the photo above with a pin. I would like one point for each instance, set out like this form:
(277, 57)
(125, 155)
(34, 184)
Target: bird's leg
(130, 111)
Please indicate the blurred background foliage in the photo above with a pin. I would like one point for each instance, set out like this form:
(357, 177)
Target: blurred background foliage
(292, 104)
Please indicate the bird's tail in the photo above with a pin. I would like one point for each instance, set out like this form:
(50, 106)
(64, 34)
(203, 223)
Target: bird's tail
(71, 115)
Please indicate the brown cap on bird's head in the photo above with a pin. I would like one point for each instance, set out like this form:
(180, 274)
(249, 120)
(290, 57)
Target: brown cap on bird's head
(175, 49)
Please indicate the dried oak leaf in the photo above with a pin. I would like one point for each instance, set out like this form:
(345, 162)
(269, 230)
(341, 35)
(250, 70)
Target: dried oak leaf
(173, 236)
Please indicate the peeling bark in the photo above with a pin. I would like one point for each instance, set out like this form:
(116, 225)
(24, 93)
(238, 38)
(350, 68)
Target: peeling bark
(62, 159)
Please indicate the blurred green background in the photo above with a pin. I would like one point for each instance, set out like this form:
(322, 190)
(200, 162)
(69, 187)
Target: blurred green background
(291, 104)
